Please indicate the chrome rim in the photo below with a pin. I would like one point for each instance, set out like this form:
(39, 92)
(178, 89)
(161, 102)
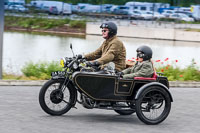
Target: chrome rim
(55, 98)
(153, 105)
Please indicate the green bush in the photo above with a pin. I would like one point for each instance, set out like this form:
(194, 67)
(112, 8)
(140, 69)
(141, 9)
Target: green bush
(41, 23)
(171, 72)
(41, 70)
(190, 73)
(77, 24)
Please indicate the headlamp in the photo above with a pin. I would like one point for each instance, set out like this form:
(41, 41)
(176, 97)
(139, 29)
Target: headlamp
(62, 62)
(75, 66)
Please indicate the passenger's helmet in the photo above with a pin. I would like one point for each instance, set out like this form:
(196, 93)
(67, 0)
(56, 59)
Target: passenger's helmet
(112, 28)
(144, 52)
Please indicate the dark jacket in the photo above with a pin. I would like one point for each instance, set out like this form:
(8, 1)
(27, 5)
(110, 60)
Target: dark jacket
(112, 50)
(143, 69)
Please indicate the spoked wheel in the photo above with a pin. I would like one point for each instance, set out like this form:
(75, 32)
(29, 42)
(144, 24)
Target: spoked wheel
(153, 105)
(54, 100)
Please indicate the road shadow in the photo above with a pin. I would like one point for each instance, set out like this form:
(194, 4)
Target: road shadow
(97, 118)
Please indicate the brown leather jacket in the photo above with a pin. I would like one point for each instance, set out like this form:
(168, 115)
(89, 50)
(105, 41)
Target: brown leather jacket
(112, 50)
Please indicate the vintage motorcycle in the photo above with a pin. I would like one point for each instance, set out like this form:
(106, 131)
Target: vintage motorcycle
(79, 82)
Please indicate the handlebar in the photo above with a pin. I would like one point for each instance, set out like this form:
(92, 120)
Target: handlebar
(77, 57)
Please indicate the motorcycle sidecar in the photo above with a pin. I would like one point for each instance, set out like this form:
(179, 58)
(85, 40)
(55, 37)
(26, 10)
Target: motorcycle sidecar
(106, 87)
(149, 95)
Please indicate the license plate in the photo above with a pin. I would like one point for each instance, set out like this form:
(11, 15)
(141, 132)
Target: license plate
(58, 74)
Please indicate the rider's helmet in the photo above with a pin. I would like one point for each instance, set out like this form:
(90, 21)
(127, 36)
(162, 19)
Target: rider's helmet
(111, 26)
(144, 52)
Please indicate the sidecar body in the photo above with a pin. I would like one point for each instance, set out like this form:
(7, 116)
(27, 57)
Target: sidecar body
(105, 87)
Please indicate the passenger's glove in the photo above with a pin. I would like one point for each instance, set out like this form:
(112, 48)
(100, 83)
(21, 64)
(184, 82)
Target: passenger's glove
(120, 74)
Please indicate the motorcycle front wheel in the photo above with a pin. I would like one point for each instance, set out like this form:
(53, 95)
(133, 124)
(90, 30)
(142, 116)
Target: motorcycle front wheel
(55, 100)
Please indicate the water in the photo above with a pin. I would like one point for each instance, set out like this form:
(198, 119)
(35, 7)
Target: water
(20, 48)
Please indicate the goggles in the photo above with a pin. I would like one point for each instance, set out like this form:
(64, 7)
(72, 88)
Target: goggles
(104, 25)
(140, 55)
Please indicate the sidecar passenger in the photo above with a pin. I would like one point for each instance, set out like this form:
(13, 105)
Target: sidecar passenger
(143, 67)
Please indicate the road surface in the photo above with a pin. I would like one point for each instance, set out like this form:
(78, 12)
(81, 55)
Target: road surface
(20, 113)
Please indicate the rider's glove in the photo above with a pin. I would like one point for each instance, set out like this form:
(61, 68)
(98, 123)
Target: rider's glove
(93, 63)
(83, 56)
(80, 56)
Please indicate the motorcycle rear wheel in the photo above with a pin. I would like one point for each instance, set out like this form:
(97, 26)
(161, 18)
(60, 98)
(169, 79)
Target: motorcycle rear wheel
(55, 102)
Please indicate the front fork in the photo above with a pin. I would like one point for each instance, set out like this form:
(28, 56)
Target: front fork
(66, 80)
(65, 83)
(72, 89)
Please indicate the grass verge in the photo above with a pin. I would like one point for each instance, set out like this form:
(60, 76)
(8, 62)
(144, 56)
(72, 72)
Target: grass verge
(42, 71)
(32, 23)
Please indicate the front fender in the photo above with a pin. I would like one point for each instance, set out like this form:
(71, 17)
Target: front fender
(152, 84)
(58, 77)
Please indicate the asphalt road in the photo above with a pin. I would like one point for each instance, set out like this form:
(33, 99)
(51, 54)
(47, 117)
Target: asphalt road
(20, 113)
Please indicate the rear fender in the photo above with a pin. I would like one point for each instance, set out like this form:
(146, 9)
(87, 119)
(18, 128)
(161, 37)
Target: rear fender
(153, 84)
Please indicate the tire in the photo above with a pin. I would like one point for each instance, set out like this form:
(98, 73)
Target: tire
(52, 97)
(125, 112)
(151, 100)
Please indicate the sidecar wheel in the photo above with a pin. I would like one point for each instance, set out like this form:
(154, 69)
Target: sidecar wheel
(153, 105)
(125, 112)
(55, 102)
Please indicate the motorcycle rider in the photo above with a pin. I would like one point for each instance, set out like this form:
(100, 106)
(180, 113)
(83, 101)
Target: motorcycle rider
(112, 49)
(143, 67)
